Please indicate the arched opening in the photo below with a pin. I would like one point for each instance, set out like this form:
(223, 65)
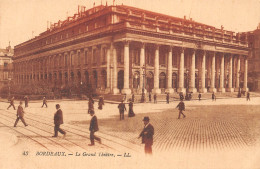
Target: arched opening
(95, 78)
(162, 80)
(50, 77)
(120, 80)
(196, 81)
(86, 77)
(55, 79)
(149, 81)
(185, 80)
(103, 79)
(175, 81)
(136, 80)
(79, 77)
(66, 78)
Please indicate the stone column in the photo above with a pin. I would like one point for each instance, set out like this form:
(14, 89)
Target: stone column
(212, 83)
(142, 63)
(156, 71)
(245, 76)
(237, 74)
(181, 72)
(222, 64)
(169, 72)
(126, 89)
(192, 87)
(230, 74)
(114, 55)
(203, 73)
(108, 89)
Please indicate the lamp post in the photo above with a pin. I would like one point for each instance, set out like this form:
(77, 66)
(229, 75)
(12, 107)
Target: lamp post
(143, 95)
(187, 89)
(9, 80)
(81, 90)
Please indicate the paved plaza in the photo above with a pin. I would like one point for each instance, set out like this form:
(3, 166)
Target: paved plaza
(215, 134)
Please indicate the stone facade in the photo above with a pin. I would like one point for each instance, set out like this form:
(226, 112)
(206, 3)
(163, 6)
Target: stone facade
(121, 49)
(254, 60)
(6, 67)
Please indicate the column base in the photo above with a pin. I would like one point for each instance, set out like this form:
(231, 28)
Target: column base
(192, 90)
(237, 89)
(245, 89)
(140, 91)
(212, 90)
(203, 90)
(126, 91)
(222, 90)
(156, 91)
(107, 90)
(115, 91)
(170, 90)
(230, 89)
(183, 90)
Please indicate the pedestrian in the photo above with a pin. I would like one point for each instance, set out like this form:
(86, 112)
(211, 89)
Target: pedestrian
(133, 97)
(248, 96)
(93, 127)
(167, 98)
(20, 115)
(150, 97)
(122, 109)
(213, 96)
(11, 103)
(181, 96)
(131, 109)
(181, 107)
(58, 120)
(147, 136)
(26, 101)
(199, 96)
(155, 98)
(100, 103)
(90, 104)
(44, 102)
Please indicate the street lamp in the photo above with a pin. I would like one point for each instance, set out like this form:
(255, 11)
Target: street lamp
(143, 95)
(9, 80)
(187, 89)
(81, 90)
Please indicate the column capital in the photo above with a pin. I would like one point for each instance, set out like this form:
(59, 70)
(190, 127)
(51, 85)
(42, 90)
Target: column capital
(126, 42)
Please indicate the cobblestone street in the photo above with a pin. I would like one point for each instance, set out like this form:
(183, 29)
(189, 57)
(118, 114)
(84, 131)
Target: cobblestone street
(213, 129)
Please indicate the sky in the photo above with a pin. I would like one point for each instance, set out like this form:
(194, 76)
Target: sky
(20, 20)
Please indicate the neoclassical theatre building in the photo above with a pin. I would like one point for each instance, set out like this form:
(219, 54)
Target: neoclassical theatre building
(122, 49)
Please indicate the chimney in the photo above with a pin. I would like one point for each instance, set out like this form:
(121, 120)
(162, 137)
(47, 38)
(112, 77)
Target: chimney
(185, 17)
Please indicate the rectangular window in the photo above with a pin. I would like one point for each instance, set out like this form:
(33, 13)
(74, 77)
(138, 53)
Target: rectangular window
(94, 56)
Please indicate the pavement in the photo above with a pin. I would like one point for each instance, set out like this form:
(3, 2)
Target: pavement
(215, 134)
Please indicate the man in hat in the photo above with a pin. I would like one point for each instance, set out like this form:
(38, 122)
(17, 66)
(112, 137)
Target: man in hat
(90, 104)
(150, 97)
(122, 109)
(93, 127)
(58, 120)
(20, 115)
(147, 136)
(167, 98)
(248, 96)
(26, 101)
(199, 96)
(155, 98)
(11, 103)
(181, 107)
(100, 103)
(44, 102)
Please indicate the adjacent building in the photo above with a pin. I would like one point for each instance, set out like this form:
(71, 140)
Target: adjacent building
(254, 60)
(122, 49)
(6, 67)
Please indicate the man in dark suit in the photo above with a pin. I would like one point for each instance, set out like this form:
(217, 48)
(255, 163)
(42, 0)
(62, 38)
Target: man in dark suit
(58, 120)
(26, 101)
(122, 109)
(20, 115)
(11, 103)
(150, 97)
(181, 107)
(147, 136)
(93, 127)
(44, 102)
(248, 96)
(167, 98)
(199, 96)
(155, 98)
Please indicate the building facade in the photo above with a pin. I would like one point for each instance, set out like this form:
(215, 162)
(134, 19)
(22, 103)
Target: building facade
(122, 49)
(254, 60)
(6, 67)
